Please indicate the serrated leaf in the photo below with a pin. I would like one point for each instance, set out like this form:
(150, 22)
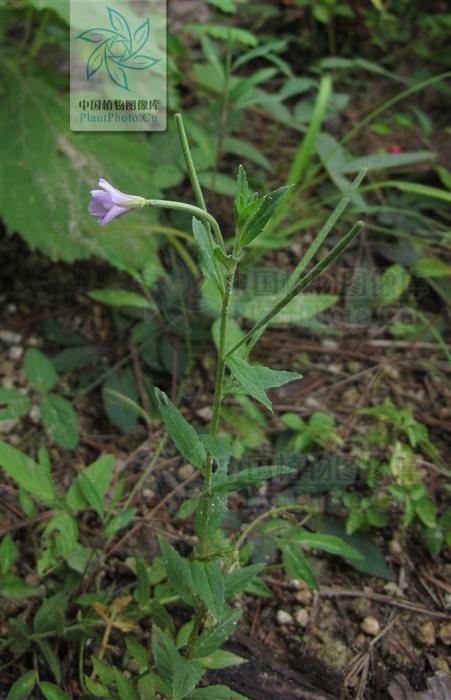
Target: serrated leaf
(53, 215)
(208, 584)
(13, 404)
(257, 222)
(221, 659)
(238, 580)
(39, 370)
(213, 637)
(181, 432)
(60, 420)
(186, 676)
(249, 379)
(179, 571)
(124, 686)
(270, 378)
(247, 477)
(99, 474)
(296, 565)
(30, 476)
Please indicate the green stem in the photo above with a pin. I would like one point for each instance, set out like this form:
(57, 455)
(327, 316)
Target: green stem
(189, 209)
(302, 284)
(195, 184)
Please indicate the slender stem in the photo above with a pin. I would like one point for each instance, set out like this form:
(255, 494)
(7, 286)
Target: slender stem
(302, 284)
(189, 209)
(195, 184)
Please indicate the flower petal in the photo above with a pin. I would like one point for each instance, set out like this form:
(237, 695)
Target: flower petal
(113, 213)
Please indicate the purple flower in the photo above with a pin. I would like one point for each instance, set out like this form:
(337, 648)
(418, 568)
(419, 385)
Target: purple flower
(109, 203)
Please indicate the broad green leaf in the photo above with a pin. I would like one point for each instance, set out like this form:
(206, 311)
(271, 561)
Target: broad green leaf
(393, 283)
(14, 587)
(52, 692)
(298, 312)
(221, 659)
(253, 475)
(138, 652)
(182, 433)
(52, 215)
(120, 297)
(296, 564)
(425, 510)
(372, 561)
(8, 553)
(216, 692)
(208, 584)
(21, 689)
(248, 378)
(179, 571)
(60, 420)
(51, 613)
(238, 580)
(120, 411)
(328, 543)
(75, 358)
(213, 637)
(29, 475)
(13, 404)
(99, 474)
(39, 370)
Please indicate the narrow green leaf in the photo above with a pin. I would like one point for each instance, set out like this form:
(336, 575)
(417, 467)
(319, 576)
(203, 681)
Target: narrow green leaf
(328, 543)
(179, 571)
(222, 659)
(8, 553)
(253, 475)
(29, 475)
(120, 297)
(238, 580)
(216, 692)
(213, 637)
(208, 584)
(52, 692)
(270, 378)
(39, 370)
(119, 394)
(22, 688)
(296, 565)
(119, 521)
(256, 223)
(181, 432)
(60, 420)
(382, 161)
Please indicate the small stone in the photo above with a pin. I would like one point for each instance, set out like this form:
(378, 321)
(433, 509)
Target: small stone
(395, 547)
(284, 618)
(301, 617)
(370, 626)
(15, 353)
(393, 589)
(185, 471)
(426, 634)
(10, 337)
(35, 414)
(304, 596)
(205, 413)
(7, 425)
(360, 641)
(444, 634)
